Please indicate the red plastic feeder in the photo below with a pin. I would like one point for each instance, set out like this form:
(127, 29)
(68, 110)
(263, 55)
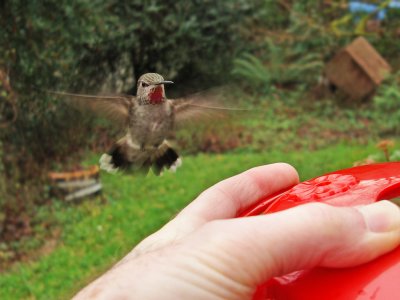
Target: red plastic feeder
(379, 279)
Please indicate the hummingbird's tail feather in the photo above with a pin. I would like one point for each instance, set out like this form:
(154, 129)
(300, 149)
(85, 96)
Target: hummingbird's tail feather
(118, 158)
(127, 156)
(107, 164)
(167, 158)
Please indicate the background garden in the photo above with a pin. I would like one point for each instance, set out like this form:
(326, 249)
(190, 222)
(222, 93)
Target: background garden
(270, 58)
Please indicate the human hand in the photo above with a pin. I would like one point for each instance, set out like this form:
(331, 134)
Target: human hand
(207, 253)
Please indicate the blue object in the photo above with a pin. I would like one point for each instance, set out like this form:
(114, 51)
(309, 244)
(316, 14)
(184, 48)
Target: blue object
(369, 8)
(395, 4)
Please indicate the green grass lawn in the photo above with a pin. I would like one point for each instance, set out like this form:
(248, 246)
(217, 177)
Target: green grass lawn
(98, 232)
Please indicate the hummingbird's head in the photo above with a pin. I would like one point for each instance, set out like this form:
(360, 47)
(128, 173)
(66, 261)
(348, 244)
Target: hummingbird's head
(150, 88)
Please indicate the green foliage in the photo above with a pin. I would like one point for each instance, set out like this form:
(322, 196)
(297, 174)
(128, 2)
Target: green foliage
(252, 69)
(387, 105)
(272, 15)
(284, 65)
(85, 39)
(295, 54)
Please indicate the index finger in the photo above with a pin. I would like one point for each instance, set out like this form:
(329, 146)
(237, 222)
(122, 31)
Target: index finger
(231, 196)
(222, 201)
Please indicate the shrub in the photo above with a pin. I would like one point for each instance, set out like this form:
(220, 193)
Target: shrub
(282, 67)
(387, 105)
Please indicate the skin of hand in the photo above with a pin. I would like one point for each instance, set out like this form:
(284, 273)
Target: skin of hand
(207, 253)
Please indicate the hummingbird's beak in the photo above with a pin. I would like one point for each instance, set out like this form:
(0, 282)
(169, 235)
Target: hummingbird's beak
(164, 82)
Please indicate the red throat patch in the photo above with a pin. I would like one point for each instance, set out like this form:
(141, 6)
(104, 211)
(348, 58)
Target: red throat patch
(156, 95)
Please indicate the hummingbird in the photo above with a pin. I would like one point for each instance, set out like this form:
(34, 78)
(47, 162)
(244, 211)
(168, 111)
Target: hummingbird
(149, 118)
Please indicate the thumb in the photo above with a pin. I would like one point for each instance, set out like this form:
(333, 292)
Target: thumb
(252, 250)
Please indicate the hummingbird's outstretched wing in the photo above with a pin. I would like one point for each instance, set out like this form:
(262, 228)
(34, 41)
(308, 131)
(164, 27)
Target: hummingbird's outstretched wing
(115, 108)
(201, 106)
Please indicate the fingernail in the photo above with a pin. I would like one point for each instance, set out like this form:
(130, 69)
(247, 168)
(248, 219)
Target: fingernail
(381, 216)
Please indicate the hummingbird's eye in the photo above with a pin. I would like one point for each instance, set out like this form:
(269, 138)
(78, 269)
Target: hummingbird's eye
(144, 84)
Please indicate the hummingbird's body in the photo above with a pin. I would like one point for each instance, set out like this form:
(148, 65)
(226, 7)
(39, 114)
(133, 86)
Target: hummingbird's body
(148, 119)
(149, 125)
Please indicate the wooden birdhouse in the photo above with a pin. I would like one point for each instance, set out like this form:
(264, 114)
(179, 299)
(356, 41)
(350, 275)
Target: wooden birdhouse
(357, 69)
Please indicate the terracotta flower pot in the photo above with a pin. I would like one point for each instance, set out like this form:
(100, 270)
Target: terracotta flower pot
(76, 184)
